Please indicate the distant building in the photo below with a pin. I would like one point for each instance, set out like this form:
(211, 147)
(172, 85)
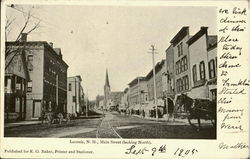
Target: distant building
(75, 95)
(15, 85)
(160, 84)
(97, 100)
(138, 91)
(112, 100)
(47, 88)
(124, 100)
(160, 80)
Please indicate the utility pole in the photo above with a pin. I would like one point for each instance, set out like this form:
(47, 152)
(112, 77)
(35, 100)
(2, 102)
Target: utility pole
(152, 51)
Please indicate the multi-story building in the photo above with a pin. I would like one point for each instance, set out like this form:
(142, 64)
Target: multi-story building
(47, 88)
(75, 95)
(15, 84)
(138, 91)
(181, 61)
(170, 73)
(212, 67)
(160, 81)
(170, 84)
(203, 69)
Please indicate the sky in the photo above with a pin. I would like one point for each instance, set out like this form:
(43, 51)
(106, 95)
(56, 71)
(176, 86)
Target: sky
(117, 38)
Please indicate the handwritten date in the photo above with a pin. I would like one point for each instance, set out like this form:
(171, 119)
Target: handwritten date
(133, 150)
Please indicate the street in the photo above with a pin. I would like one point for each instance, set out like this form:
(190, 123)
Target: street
(114, 125)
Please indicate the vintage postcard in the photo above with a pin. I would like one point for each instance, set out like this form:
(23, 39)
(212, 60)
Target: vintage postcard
(124, 79)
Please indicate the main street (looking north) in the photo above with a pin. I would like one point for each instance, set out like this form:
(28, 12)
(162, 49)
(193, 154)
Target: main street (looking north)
(114, 125)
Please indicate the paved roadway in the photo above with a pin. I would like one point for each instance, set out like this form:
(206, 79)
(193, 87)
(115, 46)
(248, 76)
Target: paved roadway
(113, 125)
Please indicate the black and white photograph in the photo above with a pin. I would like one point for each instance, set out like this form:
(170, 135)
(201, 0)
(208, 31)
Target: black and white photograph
(110, 71)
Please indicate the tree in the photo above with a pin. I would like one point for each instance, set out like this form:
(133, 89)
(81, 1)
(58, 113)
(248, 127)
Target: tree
(27, 28)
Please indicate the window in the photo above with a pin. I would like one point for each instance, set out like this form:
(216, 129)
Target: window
(177, 68)
(70, 87)
(202, 70)
(194, 73)
(29, 87)
(185, 63)
(186, 83)
(182, 84)
(30, 62)
(74, 99)
(177, 85)
(211, 66)
(180, 50)
(181, 65)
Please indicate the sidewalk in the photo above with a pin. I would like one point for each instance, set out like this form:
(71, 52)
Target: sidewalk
(21, 123)
(173, 121)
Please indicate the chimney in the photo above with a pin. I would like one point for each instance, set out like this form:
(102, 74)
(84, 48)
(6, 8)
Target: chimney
(204, 29)
(23, 37)
(51, 44)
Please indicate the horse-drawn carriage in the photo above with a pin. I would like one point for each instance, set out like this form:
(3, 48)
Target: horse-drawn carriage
(54, 118)
(198, 109)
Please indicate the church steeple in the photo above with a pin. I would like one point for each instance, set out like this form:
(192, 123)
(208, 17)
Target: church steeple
(107, 79)
(106, 90)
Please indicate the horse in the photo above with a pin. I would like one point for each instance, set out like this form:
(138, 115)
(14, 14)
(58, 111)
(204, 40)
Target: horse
(52, 118)
(198, 109)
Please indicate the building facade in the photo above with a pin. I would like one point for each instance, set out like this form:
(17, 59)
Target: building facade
(75, 95)
(47, 88)
(124, 100)
(192, 65)
(160, 81)
(15, 85)
(181, 61)
(170, 73)
(138, 91)
(203, 64)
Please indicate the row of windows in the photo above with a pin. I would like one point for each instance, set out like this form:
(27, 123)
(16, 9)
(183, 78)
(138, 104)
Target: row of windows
(202, 71)
(182, 84)
(212, 70)
(181, 65)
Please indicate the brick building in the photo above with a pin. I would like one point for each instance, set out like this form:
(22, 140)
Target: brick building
(47, 88)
